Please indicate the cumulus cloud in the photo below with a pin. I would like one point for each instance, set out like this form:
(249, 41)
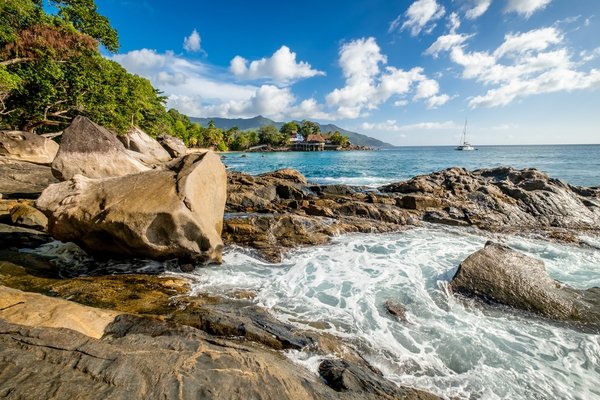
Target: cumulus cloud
(193, 42)
(534, 40)
(421, 15)
(392, 125)
(477, 8)
(281, 67)
(450, 40)
(526, 7)
(369, 82)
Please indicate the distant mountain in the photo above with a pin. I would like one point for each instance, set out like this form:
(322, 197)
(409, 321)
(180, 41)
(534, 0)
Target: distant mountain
(245, 124)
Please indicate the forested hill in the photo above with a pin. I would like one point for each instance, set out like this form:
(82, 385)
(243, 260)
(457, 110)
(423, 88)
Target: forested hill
(258, 121)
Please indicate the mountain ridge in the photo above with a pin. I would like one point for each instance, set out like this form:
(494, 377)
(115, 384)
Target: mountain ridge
(254, 123)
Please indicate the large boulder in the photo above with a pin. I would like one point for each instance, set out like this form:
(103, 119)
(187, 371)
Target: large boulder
(172, 213)
(20, 179)
(144, 147)
(502, 275)
(27, 146)
(174, 146)
(93, 151)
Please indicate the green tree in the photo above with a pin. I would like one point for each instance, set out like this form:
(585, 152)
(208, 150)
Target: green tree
(339, 139)
(310, 128)
(290, 128)
(269, 134)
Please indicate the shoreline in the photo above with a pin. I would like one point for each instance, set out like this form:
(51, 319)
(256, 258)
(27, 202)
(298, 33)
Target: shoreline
(269, 215)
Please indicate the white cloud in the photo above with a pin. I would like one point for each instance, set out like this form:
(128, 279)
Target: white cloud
(478, 8)
(368, 84)
(193, 42)
(421, 15)
(537, 40)
(446, 42)
(391, 125)
(526, 7)
(281, 67)
(437, 101)
(525, 64)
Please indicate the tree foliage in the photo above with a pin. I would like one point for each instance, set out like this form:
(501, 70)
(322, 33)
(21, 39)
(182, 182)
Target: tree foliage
(339, 139)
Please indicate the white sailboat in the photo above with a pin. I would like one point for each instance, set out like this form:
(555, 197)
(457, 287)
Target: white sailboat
(465, 146)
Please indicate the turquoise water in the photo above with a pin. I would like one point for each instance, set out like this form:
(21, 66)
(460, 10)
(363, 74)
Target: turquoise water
(576, 164)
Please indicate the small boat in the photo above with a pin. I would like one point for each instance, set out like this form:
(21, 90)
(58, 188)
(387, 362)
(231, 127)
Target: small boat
(465, 146)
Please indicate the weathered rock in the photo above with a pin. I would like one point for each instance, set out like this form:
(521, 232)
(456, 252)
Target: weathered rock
(93, 151)
(413, 202)
(19, 179)
(174, 146)
(172, 213)
(27, 146)
(13, 236)
(365, 383)
(396, 309)
(144, 147)
(25, 215)
(36, 310)
(502, 275)
(501, 198)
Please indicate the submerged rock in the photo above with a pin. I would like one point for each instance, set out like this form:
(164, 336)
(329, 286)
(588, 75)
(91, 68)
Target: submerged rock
(172, 213)
(144, 147)
(27, 146)
(93, 151)
(396, 309)
(502, 275)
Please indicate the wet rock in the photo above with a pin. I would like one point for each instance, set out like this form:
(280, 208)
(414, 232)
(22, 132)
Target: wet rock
(20, 179)
(27, 146)
(93, 151)
(25, 215)
(172, 145)
(396, 309)
(12, 236)
(343, 376)
(144, 147)
(172, 213)
(413, 202)
(502, 275)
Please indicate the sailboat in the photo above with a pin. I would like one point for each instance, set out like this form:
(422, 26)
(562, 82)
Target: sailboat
(465, 146)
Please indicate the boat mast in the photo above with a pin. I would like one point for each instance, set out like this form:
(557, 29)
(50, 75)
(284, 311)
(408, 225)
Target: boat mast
(465, 132)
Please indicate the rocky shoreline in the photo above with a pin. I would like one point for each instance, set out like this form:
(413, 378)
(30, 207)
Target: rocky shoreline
(87, 333)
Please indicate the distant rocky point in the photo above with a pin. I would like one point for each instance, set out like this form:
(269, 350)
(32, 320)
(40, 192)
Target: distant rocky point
(258, 121)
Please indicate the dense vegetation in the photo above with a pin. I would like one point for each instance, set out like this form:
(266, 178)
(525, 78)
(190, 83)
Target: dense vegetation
(51, 70)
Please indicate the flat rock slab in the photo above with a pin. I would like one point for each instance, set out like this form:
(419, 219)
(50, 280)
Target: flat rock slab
(21, 179)
(36, 310)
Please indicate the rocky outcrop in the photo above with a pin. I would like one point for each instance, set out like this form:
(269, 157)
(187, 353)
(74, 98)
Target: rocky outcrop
(93, 151)
(502, 275)
(365, 382)
(396, 309)
(20, 179)
(27, 146)
(172, 213)
(499, 198)
(144, 147)
(174, 146)
(279, 210)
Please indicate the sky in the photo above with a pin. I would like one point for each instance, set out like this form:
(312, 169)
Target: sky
(408, 72)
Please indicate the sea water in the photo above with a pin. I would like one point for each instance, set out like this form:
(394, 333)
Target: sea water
(576, 164)
(451, 346)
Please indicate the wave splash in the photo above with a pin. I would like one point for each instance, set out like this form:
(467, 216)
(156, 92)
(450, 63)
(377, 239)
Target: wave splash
(449, 346)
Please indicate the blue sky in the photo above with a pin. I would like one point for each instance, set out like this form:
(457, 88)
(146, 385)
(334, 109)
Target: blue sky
(404, 71)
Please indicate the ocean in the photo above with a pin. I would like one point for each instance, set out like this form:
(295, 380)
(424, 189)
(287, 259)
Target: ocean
(453, 347)
(576, 164)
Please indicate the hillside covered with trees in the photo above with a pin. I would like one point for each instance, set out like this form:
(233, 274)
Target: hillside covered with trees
(51, 70)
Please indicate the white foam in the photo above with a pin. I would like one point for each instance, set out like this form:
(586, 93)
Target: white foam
(451, 347)
(369, 181)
